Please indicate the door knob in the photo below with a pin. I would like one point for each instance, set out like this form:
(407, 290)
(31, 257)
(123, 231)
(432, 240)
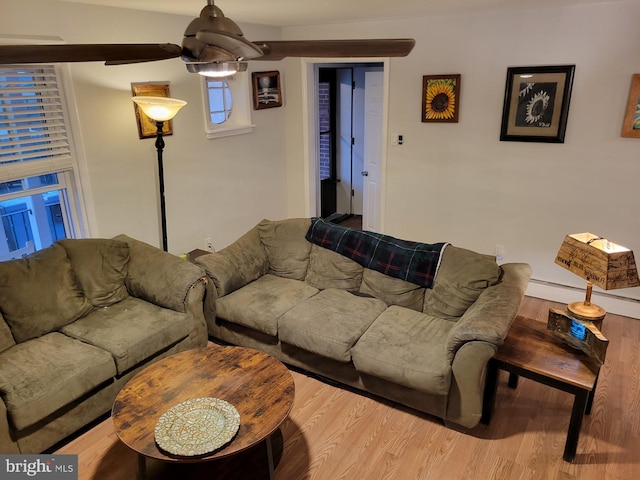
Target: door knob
(364, 173)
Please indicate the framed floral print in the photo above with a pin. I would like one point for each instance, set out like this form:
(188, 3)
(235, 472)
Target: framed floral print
(441, 98)
(631, 123)
(536, 103)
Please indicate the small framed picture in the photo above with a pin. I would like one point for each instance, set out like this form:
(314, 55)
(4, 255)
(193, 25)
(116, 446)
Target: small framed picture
(631, 123)
(536, 103)
(266, 90)
(146, 127)
(441, 98)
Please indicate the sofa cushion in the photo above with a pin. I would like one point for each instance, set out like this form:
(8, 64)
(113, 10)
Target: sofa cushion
(132, 330)
(6, 339)
(39, 293)
(408, 348)
(100, 266)
(286, 247)
(49, 372)
(329, 323)
(328, 269)
(259, 304)
(393, 291)
(461, 278)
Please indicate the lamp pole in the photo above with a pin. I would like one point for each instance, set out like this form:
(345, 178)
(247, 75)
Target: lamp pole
(160, 109)
(163, 208)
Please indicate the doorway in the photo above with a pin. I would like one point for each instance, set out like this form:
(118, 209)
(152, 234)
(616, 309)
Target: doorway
(341, 142)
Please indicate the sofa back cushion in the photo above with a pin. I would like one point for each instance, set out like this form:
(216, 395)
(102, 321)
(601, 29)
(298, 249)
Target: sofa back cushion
(39, 293)
(100, 266)
(287, 249)
(393, 291)
(6, 339)
(236, 265)
(461, 278)
(328, 269)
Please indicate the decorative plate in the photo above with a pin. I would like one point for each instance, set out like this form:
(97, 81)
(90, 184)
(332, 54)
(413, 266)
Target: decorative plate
(197, 426)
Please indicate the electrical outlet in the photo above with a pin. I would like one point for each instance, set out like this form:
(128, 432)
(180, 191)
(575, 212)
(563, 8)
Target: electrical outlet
(208, 245)
(499, 252)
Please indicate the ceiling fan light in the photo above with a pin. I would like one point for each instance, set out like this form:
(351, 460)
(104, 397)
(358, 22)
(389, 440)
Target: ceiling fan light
(216, 69)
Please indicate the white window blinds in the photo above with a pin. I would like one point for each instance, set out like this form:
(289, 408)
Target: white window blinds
(33, 128)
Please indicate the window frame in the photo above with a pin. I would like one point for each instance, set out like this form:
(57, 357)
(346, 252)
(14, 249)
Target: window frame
(72, 174)
(239, 121)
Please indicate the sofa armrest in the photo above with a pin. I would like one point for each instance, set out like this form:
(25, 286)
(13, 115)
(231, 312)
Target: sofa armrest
(7, 443)
(475, 338)
(233, 267)
(464, 404)
(160, 277)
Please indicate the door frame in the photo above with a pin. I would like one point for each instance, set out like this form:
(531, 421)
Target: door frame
(310, 127)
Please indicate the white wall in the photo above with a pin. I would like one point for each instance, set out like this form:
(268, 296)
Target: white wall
(459, 183)
(448, 182)
(218, 188)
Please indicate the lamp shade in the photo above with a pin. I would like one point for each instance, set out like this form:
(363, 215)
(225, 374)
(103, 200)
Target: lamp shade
(159, 109)
(599, 261)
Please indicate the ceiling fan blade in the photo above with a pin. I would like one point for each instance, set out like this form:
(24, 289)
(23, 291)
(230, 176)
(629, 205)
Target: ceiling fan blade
(391, 47)
(111, 54)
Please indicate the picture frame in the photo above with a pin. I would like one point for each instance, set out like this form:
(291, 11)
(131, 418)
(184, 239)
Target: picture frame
(441, 98)
(267, 92)
(536, 103)
(631, 122)
(146, 127)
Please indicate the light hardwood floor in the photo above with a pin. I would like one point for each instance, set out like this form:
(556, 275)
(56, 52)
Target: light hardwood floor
(333, 433)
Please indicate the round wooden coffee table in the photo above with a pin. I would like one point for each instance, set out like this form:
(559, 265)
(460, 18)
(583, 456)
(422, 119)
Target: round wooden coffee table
(259, 386)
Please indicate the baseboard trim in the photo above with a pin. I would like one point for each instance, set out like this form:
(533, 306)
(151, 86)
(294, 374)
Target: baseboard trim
(555, 292)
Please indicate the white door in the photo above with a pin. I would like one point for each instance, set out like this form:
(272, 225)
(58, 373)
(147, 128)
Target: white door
(372, 169)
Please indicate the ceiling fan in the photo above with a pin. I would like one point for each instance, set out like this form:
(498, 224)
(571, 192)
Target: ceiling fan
(213, 45)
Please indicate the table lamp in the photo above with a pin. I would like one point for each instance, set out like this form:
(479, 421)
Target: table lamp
(160, 109)
(600, 262)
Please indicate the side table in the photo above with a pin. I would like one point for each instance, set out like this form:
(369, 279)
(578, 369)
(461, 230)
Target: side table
(530, 351)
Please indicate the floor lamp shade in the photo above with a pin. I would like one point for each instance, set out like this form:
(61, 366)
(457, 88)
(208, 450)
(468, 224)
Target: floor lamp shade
(601, 263)
(160, 109)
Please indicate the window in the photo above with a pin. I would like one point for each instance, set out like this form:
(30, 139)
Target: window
(37, 196)
(227, 106)
(220, 101)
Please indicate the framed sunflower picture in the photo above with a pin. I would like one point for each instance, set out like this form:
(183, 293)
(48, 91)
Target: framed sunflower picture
(631, 123)
(536, 103)
(440, 98)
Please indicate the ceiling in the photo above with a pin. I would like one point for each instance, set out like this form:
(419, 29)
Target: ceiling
(302, 12)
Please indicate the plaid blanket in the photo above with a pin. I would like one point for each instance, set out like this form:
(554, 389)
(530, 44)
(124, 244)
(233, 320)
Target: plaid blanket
(411, 261)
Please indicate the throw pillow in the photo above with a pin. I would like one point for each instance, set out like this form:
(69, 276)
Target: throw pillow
(100, 266)
(39, 293)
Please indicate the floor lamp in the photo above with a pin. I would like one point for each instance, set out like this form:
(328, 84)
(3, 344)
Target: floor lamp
(160, 110)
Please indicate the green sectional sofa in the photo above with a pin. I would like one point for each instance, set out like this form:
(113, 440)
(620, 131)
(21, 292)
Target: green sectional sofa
(340, 315)
(78, 320)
